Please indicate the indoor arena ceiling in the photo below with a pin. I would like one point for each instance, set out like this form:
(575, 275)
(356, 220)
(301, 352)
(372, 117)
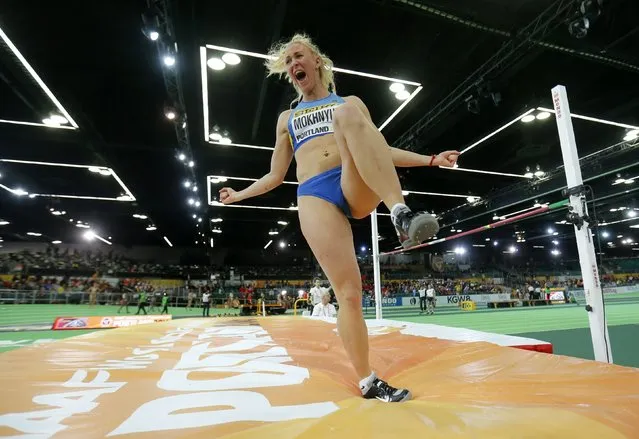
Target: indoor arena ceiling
(95, 66)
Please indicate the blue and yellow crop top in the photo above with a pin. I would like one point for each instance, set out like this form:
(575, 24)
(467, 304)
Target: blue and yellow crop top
(312, 119)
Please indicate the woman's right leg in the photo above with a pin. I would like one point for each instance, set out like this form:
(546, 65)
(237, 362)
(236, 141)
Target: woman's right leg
(329, 235)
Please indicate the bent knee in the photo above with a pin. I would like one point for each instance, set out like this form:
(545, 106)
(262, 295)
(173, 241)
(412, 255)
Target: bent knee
(347, 115)
(349, 296)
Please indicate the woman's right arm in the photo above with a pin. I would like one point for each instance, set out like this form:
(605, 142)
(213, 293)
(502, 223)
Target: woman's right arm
(280, 162)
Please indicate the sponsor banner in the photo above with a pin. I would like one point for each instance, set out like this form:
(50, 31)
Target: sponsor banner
(286, 378)
(367, 302)
(99, 322)
(455, 300)
(391, 301)
(609, 290)
(557, 295)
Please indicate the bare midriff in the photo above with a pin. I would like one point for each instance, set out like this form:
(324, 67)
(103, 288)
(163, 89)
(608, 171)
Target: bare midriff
(315, 156)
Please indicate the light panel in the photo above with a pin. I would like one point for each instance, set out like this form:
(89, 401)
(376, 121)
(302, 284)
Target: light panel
(40, 83)
(497, 131)
(205, 98)
(548, 110)
(594, 119)
(128, 197)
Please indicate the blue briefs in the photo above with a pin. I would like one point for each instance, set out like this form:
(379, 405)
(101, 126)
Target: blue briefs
(326, 186)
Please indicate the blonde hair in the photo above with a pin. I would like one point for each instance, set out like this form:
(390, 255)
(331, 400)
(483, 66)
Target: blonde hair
(276, 62)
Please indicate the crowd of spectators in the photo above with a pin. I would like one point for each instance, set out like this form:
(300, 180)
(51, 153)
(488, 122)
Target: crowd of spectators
(442, 286)
(55, 259)
(109, 272)
(64, 284)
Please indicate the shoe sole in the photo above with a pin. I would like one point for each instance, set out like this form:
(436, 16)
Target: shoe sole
(421, 228)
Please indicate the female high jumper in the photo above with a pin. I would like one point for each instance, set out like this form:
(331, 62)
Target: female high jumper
(344, 167)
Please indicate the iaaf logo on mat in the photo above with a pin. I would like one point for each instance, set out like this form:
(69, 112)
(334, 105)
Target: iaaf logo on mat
(458, 299)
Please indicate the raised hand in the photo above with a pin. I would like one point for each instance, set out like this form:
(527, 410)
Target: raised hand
(447, 159)
(228, 195)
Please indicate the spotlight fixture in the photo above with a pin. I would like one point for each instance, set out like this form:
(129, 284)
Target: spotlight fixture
(402, 95)
(55, 120)
(170, 113)
(542, 115)
(169, 60)
(631, 135)
(215, 135)
(151, 24)
(216, 63)
(528, 174)
(578, 28)
(472, 105)
(588, 12)
(231, 59)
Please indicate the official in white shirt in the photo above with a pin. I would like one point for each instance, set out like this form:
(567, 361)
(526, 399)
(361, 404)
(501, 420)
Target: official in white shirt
(324, 308)
(430, 296)
(315, 295)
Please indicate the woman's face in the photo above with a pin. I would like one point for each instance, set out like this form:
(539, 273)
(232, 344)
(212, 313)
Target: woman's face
(302, 66)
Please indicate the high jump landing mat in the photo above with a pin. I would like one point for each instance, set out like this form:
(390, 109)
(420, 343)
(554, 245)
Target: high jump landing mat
(288, 377)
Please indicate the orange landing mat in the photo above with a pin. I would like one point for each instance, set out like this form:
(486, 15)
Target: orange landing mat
(284, 377)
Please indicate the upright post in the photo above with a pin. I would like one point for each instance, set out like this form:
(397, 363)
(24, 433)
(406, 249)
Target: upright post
(376, 273)
(579, 217)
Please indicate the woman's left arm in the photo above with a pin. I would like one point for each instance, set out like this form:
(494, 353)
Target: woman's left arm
(408, 159)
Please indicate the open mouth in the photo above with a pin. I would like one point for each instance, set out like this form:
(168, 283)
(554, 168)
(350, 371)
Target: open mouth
(300, 75)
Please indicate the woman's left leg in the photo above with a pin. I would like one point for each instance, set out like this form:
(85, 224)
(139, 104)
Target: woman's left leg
(368, 175)
(370, 153)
